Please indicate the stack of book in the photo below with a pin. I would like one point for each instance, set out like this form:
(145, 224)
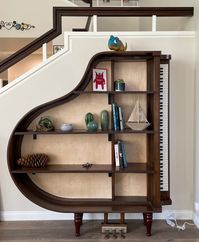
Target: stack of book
(118, 122)
(120, 154)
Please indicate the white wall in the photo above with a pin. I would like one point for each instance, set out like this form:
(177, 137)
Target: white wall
(197, 119)
(165, 23)
(38, 13)
(23, 66)
(182, 110)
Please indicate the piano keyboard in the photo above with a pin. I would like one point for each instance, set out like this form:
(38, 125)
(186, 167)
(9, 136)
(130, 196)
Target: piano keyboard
(164, 127)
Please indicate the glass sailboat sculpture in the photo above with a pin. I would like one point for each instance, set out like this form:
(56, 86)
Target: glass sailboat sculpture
(137, 120)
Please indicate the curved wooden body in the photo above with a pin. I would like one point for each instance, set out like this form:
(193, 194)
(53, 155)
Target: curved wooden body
(143, 204)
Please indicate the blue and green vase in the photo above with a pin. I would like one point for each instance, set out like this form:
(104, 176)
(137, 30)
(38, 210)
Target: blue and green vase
(92, 126)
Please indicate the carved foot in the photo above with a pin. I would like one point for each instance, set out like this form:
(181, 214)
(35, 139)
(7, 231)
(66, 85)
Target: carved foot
(81, 218)
(149, 220)
(77, 221)
(144, 219)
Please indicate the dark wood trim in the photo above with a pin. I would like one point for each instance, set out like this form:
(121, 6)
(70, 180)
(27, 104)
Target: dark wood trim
(89, 2)
(78, 222)
(84, 131)
(148, 221)
(59, 12)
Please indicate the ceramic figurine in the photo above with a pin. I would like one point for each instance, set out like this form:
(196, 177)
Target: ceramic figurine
(92, 126)
(116, 44)
(45, 124)
(104, 120)
(88, 118)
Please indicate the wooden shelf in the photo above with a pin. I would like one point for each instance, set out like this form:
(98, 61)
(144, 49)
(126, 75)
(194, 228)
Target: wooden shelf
(135, 168)
(82, 131)
(117, 200)
(114, 92)
(132, 168)
(57, 132)
(130, 131)
(65, 169)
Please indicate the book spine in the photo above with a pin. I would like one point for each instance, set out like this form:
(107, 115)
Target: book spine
(121, 121)
(117, 118)
(120, 154)
(117, 161)
(114, 116)
(125, 162)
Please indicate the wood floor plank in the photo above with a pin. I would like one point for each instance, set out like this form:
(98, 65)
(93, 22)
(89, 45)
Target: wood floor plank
(63, 231)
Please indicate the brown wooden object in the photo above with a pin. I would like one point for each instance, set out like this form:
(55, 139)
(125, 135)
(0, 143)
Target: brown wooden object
(115, 203)
(148, 221)
(78, 222)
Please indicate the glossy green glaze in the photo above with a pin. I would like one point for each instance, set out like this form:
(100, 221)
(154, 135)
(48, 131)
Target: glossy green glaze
(104, 120)
(92, 126)
(88, 118)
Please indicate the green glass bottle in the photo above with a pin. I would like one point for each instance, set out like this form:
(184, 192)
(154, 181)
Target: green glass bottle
(104, 120)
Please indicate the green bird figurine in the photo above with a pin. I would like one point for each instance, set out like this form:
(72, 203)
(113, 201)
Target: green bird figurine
(116, 44)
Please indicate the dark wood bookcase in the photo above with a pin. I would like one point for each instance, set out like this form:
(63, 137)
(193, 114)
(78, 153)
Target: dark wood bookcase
(148, 167)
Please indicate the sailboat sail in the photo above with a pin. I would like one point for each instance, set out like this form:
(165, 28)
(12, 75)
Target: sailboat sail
(137, 119)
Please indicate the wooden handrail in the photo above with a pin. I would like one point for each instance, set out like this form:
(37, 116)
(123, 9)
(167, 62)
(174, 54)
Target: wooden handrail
(89, 1)
(59, 12)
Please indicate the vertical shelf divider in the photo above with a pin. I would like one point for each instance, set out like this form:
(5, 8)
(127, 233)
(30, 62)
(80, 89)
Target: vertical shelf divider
(149, 138)
(153, 154)
(113, 136)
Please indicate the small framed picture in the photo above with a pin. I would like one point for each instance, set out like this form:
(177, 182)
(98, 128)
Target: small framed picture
(100, 79)
(57, 48)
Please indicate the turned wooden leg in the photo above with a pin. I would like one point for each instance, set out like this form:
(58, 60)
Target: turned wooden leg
(105, 218)
(149, 220)
(81, 218)
(122, 218)
(144, 219)
(77, 221)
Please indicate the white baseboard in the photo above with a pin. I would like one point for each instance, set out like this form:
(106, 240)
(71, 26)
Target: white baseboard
(48, 215)
(196, 215)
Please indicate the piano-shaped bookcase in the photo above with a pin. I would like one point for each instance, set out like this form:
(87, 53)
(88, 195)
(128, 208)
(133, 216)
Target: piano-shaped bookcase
(64, 185)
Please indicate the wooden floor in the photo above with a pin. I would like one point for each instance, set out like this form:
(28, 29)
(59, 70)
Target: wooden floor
(63, 231)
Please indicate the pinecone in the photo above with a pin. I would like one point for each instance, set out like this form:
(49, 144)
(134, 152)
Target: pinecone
(33, 160)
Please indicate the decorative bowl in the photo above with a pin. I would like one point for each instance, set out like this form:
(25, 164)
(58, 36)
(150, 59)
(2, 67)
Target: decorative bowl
(66, 127)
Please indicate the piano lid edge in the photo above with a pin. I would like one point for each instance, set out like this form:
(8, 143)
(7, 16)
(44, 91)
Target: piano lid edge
(165, 57)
